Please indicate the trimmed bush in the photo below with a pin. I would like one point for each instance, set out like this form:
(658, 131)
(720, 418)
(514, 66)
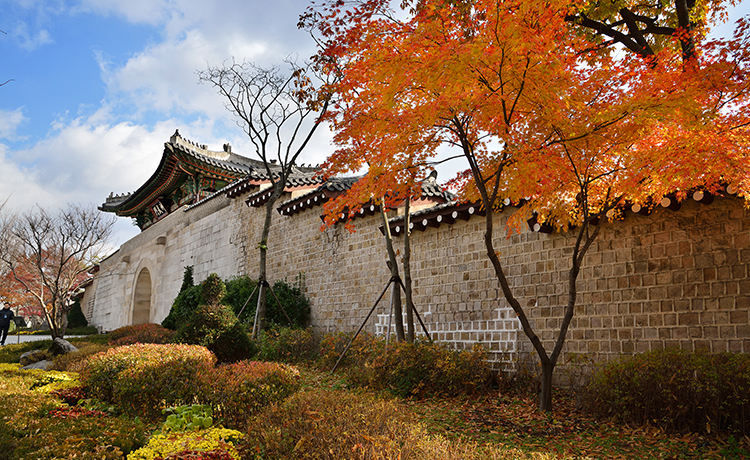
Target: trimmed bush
(287, 345)
(676, 389)
(141, 333)
(217, 328)
(74, 362)
(237, 391)
(145, 378)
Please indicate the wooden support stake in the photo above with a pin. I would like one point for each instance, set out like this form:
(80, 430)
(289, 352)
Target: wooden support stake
(362, 325)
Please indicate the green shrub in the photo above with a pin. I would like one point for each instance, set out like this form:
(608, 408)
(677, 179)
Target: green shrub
(185, 303)
(81, 330)
(236, 391)
(76, 317)
(676, 389)
(217, 328)
(141, 333)
(145, 378)
(239, 289)
(287, 345)
(213, 289)
(291, 297)
(183, 306)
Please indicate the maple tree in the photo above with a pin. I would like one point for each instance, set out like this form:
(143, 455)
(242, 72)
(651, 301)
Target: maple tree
(49, 255)
(548, 120)
(280, 111)
(14, 293)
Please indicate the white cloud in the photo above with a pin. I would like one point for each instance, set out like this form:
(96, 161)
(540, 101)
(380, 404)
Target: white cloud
(10, 120)
(163, 77)
(195, 34)
(28, 39)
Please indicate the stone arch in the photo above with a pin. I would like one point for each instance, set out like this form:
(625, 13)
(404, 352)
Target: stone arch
(142, 298)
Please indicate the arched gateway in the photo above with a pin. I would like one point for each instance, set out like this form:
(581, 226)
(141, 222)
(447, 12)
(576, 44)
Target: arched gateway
(142, 298)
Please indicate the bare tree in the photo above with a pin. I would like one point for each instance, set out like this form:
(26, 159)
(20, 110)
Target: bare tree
(49, 254)
(279, 110)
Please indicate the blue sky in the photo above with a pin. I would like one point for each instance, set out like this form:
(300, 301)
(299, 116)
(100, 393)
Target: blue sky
(100, 85)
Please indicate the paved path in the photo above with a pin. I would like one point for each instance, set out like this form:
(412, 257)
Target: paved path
(12, 338)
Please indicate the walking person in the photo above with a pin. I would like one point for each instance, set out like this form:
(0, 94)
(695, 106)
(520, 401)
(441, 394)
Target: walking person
(6, 316)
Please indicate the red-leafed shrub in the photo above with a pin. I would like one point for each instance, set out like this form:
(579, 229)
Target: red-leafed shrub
(238, 390)
(140, 333)
(70, 396)
(200, 455)
(144, 378)
(76, 412)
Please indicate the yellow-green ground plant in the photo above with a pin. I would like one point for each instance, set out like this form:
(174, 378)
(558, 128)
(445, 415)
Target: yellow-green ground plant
(201, 443)
(37, 425)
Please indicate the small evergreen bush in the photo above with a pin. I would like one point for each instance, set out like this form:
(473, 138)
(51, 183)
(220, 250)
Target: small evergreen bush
(676, 389)
(76, 318)
(213, 289)
(140, 333)
(291, 297)
(237, 391)
(143, 378)
(239, 289)
(217, 328)
(185, 303)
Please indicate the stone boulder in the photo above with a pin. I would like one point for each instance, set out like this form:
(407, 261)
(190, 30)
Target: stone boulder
(44, 365)
(61, 347)
(33, 356)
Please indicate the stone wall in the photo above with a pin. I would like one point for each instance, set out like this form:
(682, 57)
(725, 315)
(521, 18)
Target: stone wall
(205, 236)
(671, 278)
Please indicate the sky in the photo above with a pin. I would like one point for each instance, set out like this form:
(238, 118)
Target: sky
(98, 86)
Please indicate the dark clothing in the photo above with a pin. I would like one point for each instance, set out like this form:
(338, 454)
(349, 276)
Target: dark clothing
(6, 316)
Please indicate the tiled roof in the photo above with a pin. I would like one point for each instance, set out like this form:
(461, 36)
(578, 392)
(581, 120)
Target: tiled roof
(449, 212)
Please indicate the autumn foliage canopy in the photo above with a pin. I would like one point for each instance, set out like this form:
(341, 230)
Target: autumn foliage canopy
(547, 111)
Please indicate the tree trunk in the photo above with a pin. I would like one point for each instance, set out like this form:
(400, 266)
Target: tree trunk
(262, 273)
(407, 275)
(545, 392)
(393, 265)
